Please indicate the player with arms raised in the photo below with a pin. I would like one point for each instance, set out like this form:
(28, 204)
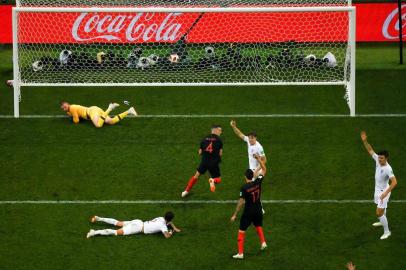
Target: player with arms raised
(94, 113)
(250, 197)
(383, 173)
(211, 150)
(254, 148)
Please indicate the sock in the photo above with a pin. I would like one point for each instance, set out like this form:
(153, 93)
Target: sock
(105, 232)
(106, 112)
(241, 236)
(191, 183)
(385, 224)
(111, 221)
(217, 180)
(118, 118)
(260, 233)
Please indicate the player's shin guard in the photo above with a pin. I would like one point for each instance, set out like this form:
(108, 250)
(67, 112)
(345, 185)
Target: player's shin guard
(119, 117)
(241, 238)
(217, 180)
(191, 183)
(105, 232)
(260, 233)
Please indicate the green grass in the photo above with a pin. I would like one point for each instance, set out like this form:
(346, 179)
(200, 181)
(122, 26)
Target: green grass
(300, 237)
(152, 158)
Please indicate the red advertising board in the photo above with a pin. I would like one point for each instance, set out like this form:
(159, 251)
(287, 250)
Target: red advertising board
(379, 22)
(5, 24)
(375, 22)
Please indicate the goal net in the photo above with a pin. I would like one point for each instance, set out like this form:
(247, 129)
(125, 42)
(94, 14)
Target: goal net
(182, 42)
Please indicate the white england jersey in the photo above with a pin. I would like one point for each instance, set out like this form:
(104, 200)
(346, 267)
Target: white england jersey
(382, 175)
(155, 226)
(254, 149)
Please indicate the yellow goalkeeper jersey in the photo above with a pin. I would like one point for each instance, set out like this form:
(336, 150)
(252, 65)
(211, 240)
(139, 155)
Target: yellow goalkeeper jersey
(77, 111)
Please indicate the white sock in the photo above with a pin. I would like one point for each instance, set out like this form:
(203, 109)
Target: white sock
(105, 232)
(111, 221)
(384, 222)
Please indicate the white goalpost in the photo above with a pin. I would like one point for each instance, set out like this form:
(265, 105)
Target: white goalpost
(177, 43)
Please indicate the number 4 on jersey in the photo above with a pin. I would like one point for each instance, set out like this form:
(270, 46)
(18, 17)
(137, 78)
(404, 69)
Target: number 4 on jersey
(209, 148)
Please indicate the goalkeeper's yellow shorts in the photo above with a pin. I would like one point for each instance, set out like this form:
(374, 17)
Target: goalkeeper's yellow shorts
(94, 111)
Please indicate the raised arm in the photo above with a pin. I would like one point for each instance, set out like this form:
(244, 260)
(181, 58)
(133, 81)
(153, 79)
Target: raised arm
(238, 132)
(368, 147)
(261, 163)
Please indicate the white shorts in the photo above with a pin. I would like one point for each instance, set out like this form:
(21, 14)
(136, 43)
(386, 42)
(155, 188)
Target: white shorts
(259, 172)
(381, 204)
(133, 227)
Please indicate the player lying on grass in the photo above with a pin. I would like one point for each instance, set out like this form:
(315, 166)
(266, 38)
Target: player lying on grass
(250, 197)
(383, 173)
(162, 225)
(211, 150)
(95, 114)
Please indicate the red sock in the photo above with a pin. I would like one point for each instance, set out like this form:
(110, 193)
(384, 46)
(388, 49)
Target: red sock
(241, 236)
(191, 183)
(260, 233)
(217, 180)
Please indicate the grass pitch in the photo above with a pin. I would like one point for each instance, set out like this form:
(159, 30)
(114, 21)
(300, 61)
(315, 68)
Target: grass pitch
(152, 158)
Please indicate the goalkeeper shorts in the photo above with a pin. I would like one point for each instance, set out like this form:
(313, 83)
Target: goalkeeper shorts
(94, 111)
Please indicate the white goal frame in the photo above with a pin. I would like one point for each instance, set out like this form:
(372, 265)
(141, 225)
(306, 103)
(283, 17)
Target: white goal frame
(349, 85)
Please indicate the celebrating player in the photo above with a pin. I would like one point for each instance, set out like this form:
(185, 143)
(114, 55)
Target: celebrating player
(211, 150)
(157, 225)
(383, 173)
(250, 196)
(95, 114)
(254, 148)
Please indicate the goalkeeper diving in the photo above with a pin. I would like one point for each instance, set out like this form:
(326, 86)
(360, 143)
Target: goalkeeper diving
(95, 114)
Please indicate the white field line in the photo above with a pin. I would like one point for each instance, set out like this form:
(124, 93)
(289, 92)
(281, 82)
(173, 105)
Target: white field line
(229, 116)
(191, 202)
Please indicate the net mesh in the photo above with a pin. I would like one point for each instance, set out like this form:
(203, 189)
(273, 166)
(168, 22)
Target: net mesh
(131, 48)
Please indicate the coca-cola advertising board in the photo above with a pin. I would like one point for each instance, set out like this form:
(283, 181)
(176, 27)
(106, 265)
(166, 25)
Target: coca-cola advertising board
(375, 22)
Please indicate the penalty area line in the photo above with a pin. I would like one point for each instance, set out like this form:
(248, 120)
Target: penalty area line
(33, 116)
(190, 202)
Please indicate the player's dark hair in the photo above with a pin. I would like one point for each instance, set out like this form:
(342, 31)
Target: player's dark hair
(383, 153)
(249, 174)
(215, 126)
(169, 216)
(62, 102)
(252, 134)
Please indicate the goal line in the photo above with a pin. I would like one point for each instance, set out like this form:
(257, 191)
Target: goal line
(189, 202)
